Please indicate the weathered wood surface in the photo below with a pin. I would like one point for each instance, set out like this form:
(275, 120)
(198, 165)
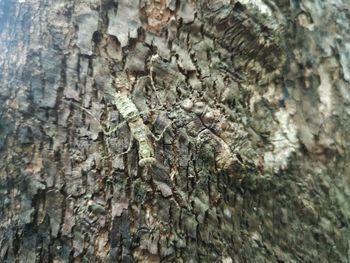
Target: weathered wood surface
(253, 168)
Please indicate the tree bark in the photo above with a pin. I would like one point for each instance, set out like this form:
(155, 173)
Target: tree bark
(249, 100)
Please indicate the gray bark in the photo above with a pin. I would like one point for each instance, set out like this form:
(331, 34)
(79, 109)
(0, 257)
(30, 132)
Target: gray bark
(253, 97)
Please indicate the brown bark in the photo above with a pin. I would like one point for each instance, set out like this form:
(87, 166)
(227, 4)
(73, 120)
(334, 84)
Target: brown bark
(253, 97)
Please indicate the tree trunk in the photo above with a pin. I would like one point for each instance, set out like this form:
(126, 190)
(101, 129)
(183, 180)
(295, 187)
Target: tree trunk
(249, 101)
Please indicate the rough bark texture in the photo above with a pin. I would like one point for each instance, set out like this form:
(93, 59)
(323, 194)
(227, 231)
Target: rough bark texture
(255, 163)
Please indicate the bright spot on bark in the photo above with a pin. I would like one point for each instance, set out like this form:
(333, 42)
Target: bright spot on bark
(325, 92)
(258, 4)
(285, 142)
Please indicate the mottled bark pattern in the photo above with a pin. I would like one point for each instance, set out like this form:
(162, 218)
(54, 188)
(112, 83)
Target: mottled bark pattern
(254, 166)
